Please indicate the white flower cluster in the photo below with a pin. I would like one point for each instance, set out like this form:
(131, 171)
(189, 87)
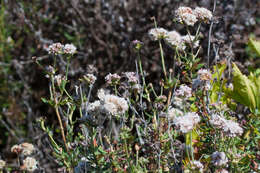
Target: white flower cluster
(204, 75)
(58, 48)
(190, 39)
(184, 91)
(2, 164)
(219, 158)
(131, 77)
(229, 127)
(187, 122)
(90, 78)
(173, 38)
(108, 103)
(29, 164)
(174, 112)
(189, 17)
(157, 33)
(197, 165)
(112, 78)
(24, 148)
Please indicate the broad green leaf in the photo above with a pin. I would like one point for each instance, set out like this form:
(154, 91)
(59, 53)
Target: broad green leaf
(245, 90)
(255, 45)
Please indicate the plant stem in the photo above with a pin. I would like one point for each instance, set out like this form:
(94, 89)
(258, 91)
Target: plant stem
(162, 59)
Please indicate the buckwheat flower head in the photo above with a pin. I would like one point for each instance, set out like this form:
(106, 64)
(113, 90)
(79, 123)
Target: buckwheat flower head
(16, 149)
(94, 106)
(185, 15)
(90, 78)
(203, 14)
(190, 40)
(232, 129)
(27, 148)
(197, 165)
(157, 33)
(204, 75)
(115, 105)
(131, 77)
(112, 79)
(184, 91)
(174, 112)
(217, 121)
(178, 101)
(55, 48)
(69, 49)
(101, 94)
(221, 171)
(219, 158)
(187, 122)
(29, 164)
(173, 38)
(2, 164)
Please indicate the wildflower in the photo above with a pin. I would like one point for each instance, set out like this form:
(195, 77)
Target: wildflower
(178, 101)
(190, 40)
(187, 122)
(29, 164)
(184, 91)
(185, 15)
(69, 49)
(137, 44)
(58, 78)
(2, 164)
(221, 171)
(217, 121)
(55, 48)
(230, 86)
(173, 38)
(16, 149)
(136, 88)
(112, 79)
(204, 75)
(197, 165)
(94, 106)
(232, 129)
(101, 94)
(203, 14)
(174, 112)
(27, 148)
(219, 158)
(157, 33)
(90, 78)
(131, 77)
(115, 105)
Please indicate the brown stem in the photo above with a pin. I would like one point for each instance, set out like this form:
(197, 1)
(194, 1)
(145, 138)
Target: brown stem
(61, 125)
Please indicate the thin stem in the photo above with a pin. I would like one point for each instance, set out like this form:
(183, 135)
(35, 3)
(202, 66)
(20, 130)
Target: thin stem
(140, 67)
(162, 59)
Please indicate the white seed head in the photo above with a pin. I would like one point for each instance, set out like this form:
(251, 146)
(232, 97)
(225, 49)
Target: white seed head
(157, 33)
(219, 158)
(184, 91)
(204, 75)
(29, 164)
(55, 48)
(190, 40)
(174, 112)
(115, 105)
(187, 122)
(197, 165)
(232, 129)
(2, 164)
(173, 38)
(90, 78)
(27, 148)
(203, 14)
(185, 15)
(69, 49)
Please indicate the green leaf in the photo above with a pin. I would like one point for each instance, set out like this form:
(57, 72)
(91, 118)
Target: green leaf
(246, 90)
(255, 45)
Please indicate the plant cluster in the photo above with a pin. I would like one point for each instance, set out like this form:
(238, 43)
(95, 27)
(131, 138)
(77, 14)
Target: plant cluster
(187, 122)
